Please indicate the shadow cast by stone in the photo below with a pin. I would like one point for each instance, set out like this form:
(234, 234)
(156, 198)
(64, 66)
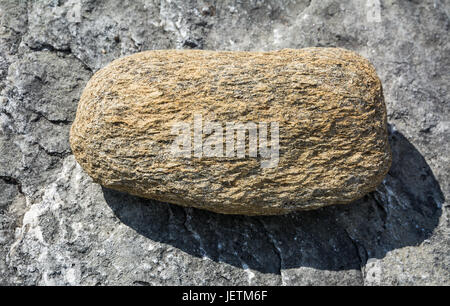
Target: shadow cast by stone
(403, 211)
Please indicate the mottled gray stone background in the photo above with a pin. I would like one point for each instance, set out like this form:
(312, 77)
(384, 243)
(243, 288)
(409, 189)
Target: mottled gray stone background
(58, 227)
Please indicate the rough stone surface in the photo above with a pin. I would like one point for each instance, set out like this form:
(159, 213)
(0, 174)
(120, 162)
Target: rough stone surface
(328, 103)
(58, 227)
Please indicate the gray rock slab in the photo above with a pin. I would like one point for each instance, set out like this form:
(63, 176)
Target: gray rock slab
(58, 227)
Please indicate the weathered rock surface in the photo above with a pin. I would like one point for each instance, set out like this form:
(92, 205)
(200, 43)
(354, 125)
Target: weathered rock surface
(58, 227)
(327, 102)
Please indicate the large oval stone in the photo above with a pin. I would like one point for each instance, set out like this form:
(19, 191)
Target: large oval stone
(236, 132)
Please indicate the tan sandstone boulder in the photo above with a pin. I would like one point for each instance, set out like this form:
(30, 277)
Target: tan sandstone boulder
(236, 132)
